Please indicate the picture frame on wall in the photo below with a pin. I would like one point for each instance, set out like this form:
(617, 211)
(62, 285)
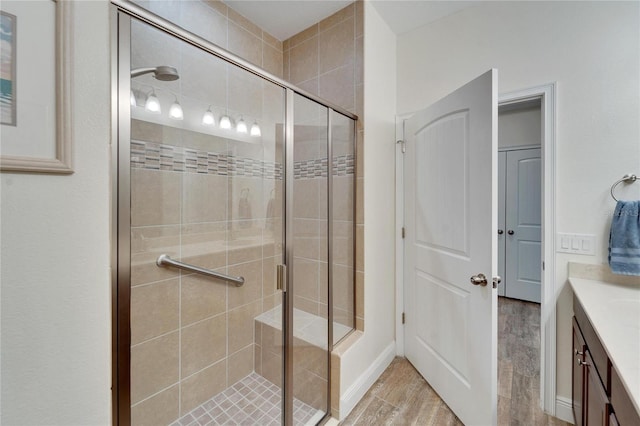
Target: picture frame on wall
(36, 75)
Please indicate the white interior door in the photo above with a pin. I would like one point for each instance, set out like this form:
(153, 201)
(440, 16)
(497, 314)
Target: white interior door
(523, 219)
(451, 222)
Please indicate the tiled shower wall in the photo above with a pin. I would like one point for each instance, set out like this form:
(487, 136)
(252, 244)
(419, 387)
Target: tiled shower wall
(326, 59)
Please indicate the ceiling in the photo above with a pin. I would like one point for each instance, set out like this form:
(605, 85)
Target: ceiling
(285, 18)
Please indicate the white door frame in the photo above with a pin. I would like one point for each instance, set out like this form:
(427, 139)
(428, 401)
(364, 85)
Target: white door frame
(547, 95)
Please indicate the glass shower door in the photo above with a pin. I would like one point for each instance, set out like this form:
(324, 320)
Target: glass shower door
(206, 190)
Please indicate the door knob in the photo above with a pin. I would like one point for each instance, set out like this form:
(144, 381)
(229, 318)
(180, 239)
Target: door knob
(479, 279)
(496, 280)
(500, 232)
(510, 232)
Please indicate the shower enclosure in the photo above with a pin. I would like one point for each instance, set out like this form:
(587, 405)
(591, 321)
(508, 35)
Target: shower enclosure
(233, 234)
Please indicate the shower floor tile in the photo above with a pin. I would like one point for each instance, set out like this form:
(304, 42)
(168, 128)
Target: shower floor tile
(252, 401)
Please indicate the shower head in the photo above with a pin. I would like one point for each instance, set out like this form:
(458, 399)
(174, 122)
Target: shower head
(162, 73)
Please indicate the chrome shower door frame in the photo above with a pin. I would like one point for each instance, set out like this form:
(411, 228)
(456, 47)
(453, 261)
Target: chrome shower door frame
(122, 13)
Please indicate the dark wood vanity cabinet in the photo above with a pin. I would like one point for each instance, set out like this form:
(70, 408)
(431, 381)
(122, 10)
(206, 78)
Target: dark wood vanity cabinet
(599, 399)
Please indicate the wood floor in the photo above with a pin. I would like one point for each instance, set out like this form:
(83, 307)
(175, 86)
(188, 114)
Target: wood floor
(402, 397)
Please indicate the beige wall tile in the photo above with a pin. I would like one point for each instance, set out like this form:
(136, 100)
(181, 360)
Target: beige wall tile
(360, 152)
(201, 298)
(196, 389)
(197, 68)
(145, 131)
(343, 242)
(155, 197)
(336, 46)
(343, 197)
(251, 290)
(306, 278)
(241, 325)
(360, 201)
(305, 236)
(306, 198)
(204, 244)
(286, 60)
(360, 100)
(360, 248)
(246, 198)
(204, 21)
(245, 96)
(306, 305)
(147, 244)
(323, 282)
(244, 22)
(310, 389)
(202, 195)
(154, 366)
(240, 364)
(272, 59)
(338, 87)
(218, 6)
(271, 40)
(203, 343)
(154, 310)
(344, 13)
(269, 276)
(360, 294)
(160, 409)
(303, 61)
(359, 324)
(359, 15)
(272, 367)
(301, 36)
(257, 359)
(359, 61)
(343, 288)
(245, 44)
(309, 357)
(310, 86)
(270, 302)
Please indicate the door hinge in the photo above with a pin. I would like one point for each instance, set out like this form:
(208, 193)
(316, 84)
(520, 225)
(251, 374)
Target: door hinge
(403, 317)
(403, 232)
(402, 145)
(543, 266)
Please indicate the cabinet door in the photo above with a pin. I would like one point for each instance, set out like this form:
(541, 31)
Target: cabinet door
(578, 374)
(596, 398)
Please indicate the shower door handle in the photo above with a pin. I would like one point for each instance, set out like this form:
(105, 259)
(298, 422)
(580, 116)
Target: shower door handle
(281, 278)
(165, 260)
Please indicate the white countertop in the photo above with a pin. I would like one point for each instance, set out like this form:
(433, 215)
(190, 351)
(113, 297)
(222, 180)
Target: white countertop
(614, 312)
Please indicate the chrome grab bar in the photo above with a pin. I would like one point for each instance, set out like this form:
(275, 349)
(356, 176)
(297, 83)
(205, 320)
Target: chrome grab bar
(165, 260)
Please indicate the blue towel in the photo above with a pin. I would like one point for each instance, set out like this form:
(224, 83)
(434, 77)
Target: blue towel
(624, 239)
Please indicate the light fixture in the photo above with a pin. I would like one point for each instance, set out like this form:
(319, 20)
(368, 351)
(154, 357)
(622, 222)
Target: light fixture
(175, 111)
(208, 119)
(134, 102)
(152, 104)
(225, 122)
(255, 129)
(241, 127)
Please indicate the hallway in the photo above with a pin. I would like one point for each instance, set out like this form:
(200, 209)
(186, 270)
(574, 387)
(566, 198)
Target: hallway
(402, 397)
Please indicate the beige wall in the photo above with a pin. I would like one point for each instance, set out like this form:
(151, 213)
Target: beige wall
(591, 50)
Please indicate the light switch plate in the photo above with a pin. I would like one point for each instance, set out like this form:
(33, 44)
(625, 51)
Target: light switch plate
(576, 243)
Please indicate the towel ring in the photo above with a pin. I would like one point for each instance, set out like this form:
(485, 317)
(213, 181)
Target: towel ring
(626, 179)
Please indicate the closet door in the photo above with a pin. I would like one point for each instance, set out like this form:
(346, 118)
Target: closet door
(523, 225)
(502, 232)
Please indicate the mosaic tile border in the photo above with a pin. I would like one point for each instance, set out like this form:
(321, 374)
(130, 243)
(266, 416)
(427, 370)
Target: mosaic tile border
(154, 156)
(252, 401)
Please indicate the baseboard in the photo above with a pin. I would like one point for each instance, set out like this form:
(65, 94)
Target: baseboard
(356, 391)
(564, 409)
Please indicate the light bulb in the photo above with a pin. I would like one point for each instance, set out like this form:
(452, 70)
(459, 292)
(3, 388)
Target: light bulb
(255, 129)
(225, 122)
(152, 104)
(241, 127)
(208, 119)
(175, 111)
(133, 99)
